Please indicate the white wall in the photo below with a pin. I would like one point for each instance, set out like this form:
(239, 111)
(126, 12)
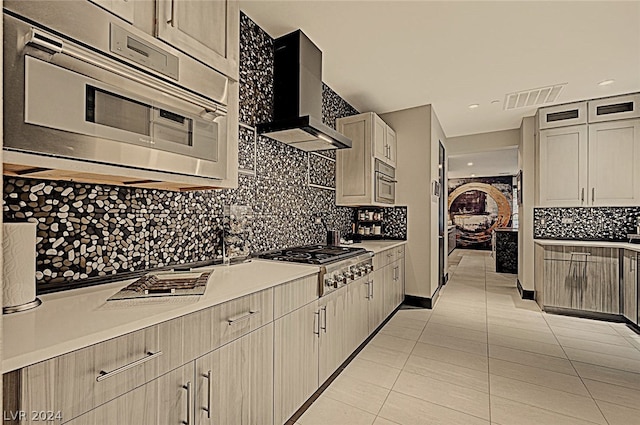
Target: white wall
(418, 132)
(527, 163)
(413, 131)
(483, 142)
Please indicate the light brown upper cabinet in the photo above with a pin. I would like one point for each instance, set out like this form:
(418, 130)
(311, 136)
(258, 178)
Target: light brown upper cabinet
(594, 164)
(372, 140)
(206, 30)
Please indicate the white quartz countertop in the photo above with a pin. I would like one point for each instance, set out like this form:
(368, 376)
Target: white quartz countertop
(70, 320)
(595, 244)
(378, 245)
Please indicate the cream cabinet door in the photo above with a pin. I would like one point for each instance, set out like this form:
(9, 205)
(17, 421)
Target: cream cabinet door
(392, 147)
(176, 391)
(563, 167)
(332, 326)
(380, 139)
(139, 406)
(357, 313)
(206, 30)
(376, 297)
(234, 384)
(614, 163)
(296, 340)
(630, 285)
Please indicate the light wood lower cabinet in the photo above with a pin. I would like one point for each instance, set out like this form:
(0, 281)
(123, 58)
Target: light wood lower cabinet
(582, 279)
(139, 406)
(357, 313)
(296, 342)
(630, 286)
(234, 384)
(332, 326)
(376, 298)
(68, 383)
(176, 391)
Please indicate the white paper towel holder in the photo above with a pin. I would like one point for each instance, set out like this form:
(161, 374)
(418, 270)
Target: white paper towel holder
(19, 243)
(22, 307)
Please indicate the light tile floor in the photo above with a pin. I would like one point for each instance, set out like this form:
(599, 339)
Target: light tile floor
(485, 356)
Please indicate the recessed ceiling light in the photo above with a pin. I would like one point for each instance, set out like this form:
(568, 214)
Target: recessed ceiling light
(473, 175)
(606, 82)
(469, 164)
(474, 106)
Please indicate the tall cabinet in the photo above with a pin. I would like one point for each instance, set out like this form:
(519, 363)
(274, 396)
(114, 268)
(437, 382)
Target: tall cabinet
(589, 153)
(372, 139)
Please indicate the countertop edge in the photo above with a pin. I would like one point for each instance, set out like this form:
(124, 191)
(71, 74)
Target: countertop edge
(602, 244)
(65, 346)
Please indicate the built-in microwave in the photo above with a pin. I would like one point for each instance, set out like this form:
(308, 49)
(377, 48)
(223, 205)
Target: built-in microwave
(123, 104)
(385, 183)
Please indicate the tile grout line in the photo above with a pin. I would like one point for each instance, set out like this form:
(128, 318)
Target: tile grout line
(396, 380)
(486, 306)
(576, 370)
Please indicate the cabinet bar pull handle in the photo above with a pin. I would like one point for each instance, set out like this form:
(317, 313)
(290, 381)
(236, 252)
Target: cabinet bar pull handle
(390, 255)
(371, 286)
(172, 11)
(208, 408)
(368, 289)
(241, 317)
(104, 375)
(324, 328)
(317, 314)
(582, 196)
(188, 388)
(593, 194)
(580, 253)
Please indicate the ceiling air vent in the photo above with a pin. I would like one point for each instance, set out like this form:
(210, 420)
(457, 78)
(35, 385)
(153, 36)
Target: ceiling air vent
(533, 97)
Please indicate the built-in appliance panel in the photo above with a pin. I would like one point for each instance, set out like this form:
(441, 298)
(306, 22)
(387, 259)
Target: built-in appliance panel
(614, 108)
(562, 115)
(96, 29)
(207, 157)
(61, 99)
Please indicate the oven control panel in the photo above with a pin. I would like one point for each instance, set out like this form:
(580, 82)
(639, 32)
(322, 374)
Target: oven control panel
(337, 275)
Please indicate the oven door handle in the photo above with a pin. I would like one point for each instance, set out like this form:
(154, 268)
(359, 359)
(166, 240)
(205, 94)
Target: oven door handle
(387, 179)
(44, 41)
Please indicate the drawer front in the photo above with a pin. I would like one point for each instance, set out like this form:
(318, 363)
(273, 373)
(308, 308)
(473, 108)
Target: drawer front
(68, 383)
(399, 250)
(295, 294)
(384, 258)
(580, 253)
(238, 317)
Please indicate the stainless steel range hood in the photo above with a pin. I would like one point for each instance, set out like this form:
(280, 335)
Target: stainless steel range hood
(297, 108)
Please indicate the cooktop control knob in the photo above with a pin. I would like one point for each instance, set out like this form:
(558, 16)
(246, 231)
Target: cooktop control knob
(330, 282)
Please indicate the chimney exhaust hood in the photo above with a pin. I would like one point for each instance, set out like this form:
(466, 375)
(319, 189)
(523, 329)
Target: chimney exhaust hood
(297, 106)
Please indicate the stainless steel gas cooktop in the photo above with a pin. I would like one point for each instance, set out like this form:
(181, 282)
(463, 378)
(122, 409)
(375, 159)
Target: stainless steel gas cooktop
(313, 254)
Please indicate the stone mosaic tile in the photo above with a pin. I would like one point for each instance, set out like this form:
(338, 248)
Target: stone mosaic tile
(246, 149)
(90, 232)
(256, 73)
(395, 222)
(595, 223)
(322, 171)
(277, 160)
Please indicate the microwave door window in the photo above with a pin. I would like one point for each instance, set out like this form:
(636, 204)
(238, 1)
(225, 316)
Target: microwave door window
(116, 111)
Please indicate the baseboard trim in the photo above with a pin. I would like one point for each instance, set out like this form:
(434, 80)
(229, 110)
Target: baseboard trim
(292, 420)
(446, 278)
(422, 302)
(607, 317)
(525, 294)
(632, 325)
(415, 301)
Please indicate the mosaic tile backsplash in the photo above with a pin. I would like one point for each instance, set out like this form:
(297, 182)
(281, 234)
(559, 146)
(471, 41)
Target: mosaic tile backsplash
(88, 233)
(596, 223)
